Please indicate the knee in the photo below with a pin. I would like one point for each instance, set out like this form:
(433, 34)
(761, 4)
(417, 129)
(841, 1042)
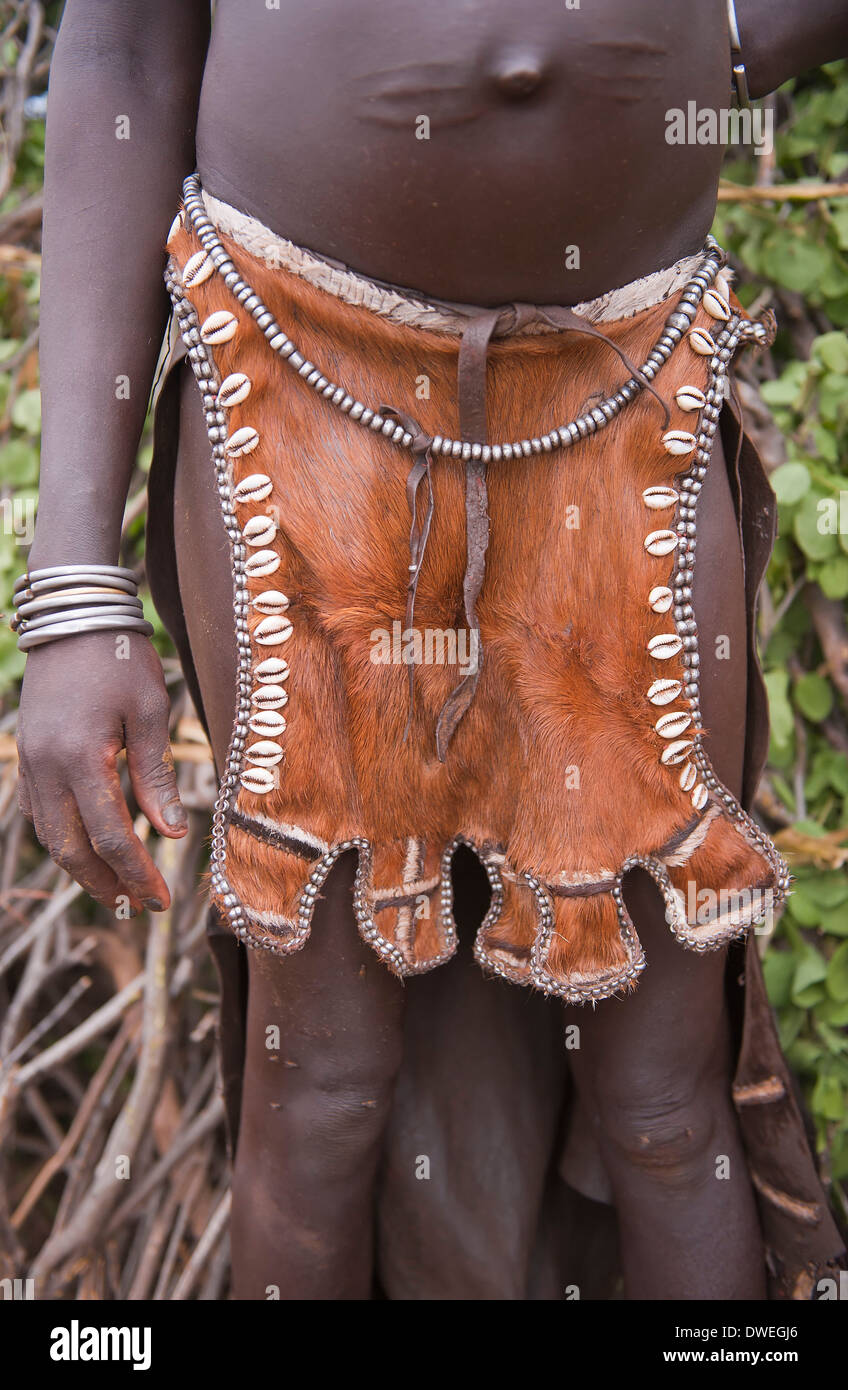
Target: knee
(343, 1115)
(327, 1112)
(668, 1133)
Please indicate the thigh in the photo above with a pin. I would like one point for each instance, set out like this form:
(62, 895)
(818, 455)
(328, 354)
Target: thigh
(334, 1008)
(203, 566)
(671, 1031)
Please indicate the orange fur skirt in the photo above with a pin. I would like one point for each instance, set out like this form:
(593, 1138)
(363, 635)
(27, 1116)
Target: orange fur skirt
(581, 753)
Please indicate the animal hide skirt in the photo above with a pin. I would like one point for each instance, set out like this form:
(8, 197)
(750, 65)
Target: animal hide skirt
(521, 677)
(382, 477)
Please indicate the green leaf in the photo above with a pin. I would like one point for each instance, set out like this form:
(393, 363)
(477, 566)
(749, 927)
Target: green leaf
(18, 462)
(790, 1023)
(790, 481)
(832, 577)
(827, 1097)
(827, 889)
(834, 1014)
(809, 526)
(839, 221)
(805, 1055)
(778, 970)
(795, 263)
(831, 349)
(837, 974)
(814, 697)
(26, 412)
(786, 390)
(835, 921)
(810, 970)
(780, 710)
(806, 912)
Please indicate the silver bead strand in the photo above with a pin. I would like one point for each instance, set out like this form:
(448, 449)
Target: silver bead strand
(586, 425)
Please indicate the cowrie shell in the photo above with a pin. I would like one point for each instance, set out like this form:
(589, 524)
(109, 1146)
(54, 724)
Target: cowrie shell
(261, 563)
(259, 530)
(688, 777)
(676, 752)
(219, 327)
(678, 441)
(271, 601)
(254, 488)
(272, 631)
(197, 269)
(269, 697)
(175, 226)
(658, 498)
(242, 441)
(702, 342)
(690, 398)
(267, 721)
(264, 753)
(674, 723)
(660, 599)
(699, 797)
(722, 284)
(716, 305)
(663, 692)
(665, 645)
(233, 389)
(661, 542)
(257, 779)
(272, 670)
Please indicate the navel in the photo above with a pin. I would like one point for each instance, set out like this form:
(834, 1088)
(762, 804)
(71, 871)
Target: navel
(518, 74)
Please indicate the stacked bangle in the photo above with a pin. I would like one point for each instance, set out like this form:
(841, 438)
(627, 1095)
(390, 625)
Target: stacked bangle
(63, 600)
(738, 70)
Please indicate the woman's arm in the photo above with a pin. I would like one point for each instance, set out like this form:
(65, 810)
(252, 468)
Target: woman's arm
(122, 107)
(781, 38)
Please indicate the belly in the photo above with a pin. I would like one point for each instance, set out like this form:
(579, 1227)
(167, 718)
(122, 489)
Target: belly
(465, 149)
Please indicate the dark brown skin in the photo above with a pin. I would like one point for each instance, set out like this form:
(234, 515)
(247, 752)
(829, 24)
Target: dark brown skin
(547, 130)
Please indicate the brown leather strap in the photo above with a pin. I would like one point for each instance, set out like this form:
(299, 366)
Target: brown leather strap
(471, 391)
(419, 530)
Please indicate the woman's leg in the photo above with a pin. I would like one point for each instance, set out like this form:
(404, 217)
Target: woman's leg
(323, 1049)
(654, 1070)
(323, 1039)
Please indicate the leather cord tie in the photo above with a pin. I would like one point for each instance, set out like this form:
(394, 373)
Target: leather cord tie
(471, 391)
(419, 529)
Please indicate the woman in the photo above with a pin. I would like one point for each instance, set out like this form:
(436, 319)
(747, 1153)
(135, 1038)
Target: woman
(480, 161)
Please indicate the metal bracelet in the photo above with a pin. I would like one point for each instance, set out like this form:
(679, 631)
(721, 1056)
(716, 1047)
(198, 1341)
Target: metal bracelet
(740, 76)
(74, 614)
(73, 598)
(54, 586)
(81, 625)
(60, 571)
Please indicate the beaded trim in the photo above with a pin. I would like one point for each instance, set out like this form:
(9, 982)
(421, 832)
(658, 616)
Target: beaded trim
(688, 488)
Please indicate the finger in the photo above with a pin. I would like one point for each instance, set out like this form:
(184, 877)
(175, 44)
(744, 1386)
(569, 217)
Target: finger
(60, 830)
(150, 763)
(107, 823)
(71, 848)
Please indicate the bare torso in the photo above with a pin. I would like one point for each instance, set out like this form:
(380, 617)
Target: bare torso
(546, 132)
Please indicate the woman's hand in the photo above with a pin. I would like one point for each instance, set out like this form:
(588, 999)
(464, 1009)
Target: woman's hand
(85, 698)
